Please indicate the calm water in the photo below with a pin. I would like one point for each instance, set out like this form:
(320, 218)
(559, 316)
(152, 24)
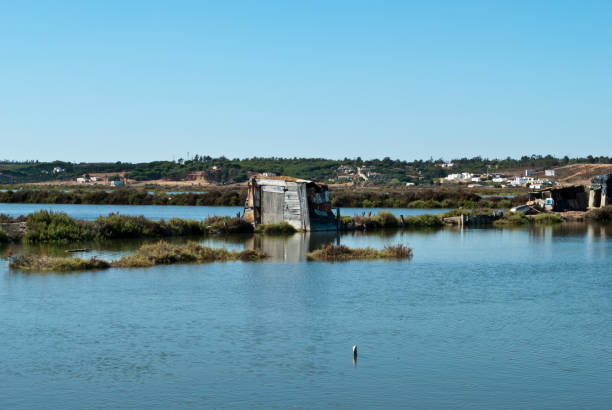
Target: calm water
(89, 212)
(478, 319)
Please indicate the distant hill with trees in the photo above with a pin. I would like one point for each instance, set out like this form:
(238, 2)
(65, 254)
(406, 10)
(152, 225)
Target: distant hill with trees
(223, 170)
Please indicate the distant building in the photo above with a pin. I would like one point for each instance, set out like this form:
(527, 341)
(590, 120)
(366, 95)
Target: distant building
(464, 176)
(529, 172)
(445, 164)
(345, 177)
(58, 170)
(116, 183)
(345, 169)
(268, 174)
(410, 183)
(82, 180)
(549, 172)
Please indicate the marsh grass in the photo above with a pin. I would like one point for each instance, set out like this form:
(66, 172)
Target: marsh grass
(386, 220)
(341, 253)
(160, 253)
(164, 253)
(281, 228)
(513, 219)
(56, 227)
(600, 214)
(32, 263)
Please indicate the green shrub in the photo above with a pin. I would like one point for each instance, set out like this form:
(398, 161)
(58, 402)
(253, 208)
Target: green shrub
(48, 226)
(431, 204)
(417, 204)
(387, 220)
(513, 219)
(229, 225)
(116, 226)
(504, 204)
(468, 204)
(366, 203)
(448, 203)
(423, 221)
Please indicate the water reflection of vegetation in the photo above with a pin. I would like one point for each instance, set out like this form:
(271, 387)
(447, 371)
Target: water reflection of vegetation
(570, 229)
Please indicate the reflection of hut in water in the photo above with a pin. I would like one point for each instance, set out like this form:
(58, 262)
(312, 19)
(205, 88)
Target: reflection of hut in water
(301, 203)
(601, 189)
(290, 248)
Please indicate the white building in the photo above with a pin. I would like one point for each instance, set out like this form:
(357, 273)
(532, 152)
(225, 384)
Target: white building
(464, 176)
(549, 172)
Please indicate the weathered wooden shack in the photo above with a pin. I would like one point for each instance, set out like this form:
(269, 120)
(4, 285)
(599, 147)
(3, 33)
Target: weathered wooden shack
(301, 203)
(600, 194)
(560, 199)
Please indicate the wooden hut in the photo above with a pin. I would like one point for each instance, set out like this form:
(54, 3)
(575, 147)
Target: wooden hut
(301, 203)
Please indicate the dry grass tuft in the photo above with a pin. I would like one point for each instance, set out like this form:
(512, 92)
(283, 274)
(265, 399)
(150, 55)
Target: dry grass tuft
(341, 253)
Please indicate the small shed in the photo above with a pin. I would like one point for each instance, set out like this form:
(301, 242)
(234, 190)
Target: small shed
(560, 199)
(600, 194)
(301, 203)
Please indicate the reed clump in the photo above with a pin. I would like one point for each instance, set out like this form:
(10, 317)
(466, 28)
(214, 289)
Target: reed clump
(600, 214)
(164, 253)
(33, 263)
(548, 219)
(160, 253)
(386, 220)
(512, 219)
(281, 228)
(342, 253)
(57, 227)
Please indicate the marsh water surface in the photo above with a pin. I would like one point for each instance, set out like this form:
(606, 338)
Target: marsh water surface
(480, 318)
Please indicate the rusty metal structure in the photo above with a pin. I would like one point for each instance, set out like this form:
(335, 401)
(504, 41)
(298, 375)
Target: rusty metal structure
(301, 203)
(600, 194)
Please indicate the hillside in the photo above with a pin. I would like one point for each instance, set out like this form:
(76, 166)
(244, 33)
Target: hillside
(204, 170)
(578, 174)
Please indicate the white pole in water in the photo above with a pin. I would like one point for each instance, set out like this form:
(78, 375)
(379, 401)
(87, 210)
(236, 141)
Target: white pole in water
(355, 351)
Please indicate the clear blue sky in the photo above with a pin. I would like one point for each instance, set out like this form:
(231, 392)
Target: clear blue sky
(145, 80)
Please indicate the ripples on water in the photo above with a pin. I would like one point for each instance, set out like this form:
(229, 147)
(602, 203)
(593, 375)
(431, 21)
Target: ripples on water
(480, 318)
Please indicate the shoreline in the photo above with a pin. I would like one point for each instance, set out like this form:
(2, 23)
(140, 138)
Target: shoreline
(56, 227)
